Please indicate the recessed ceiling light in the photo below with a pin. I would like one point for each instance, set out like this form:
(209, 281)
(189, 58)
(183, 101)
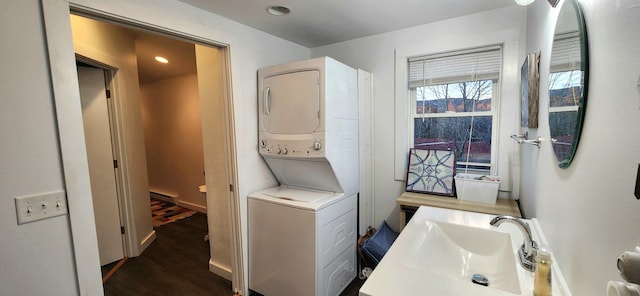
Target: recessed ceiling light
(278, 10)
(161, 59)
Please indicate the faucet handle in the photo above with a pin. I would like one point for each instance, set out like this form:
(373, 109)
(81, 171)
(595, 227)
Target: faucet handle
(528, 262)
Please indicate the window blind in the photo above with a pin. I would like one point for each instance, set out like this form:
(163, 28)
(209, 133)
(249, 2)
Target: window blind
(457, 66)
(566, 52)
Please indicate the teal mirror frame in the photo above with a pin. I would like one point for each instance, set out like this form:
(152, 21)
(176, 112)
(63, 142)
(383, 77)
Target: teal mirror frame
(565, 129)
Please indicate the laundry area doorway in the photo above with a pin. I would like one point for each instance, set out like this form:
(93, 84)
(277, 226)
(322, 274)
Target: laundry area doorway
(161, 144)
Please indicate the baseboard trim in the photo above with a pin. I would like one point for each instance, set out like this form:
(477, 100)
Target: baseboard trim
(156, 194)
(192, 206)
(146, 241)
(219, 269)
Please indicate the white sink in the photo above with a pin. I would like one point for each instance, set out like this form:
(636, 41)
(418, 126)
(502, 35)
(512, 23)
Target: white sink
(440, 250)
(459, 252)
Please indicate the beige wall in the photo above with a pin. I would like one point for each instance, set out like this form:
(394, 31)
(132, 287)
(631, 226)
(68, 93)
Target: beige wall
(114, 47)
(173, 138)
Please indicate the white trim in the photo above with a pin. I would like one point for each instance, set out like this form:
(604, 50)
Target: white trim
(220, 270)
(192, 206)
(365, 143)
(75, 166)
(237, 278)
(122, 173)
(563, 109)
(453, 114)
(147, 240)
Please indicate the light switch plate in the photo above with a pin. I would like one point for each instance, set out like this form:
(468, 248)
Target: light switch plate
(41, 206)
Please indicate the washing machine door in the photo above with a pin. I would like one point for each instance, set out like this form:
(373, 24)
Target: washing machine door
(290, 102)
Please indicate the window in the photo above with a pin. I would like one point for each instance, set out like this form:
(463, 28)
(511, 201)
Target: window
(454, 99)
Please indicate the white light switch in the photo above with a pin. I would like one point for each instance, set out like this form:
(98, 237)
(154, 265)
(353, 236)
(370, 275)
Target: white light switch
(41, 206)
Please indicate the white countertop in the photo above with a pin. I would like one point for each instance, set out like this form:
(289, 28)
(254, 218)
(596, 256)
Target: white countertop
(391, 277)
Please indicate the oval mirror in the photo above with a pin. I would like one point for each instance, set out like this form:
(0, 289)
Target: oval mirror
(568, 80)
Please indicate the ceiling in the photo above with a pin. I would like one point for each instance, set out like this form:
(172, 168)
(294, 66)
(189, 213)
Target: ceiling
(313, 23)
(181, 56)
(310, 24)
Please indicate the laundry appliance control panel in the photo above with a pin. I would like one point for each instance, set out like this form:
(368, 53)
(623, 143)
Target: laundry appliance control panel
(292, 148)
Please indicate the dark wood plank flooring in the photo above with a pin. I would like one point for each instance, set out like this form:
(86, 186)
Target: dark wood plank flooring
(176, 263)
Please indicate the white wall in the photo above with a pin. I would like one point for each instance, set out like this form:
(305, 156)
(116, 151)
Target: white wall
(375, 54)
(588, 212)
(36, 258)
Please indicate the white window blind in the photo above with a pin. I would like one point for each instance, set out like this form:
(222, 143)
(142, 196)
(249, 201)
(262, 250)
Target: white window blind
(466, 65)
(566, 52)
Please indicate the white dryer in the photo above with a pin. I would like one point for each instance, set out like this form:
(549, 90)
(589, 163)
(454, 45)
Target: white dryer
(301, 241)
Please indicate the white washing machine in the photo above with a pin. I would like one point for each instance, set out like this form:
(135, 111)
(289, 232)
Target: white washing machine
(301, 241)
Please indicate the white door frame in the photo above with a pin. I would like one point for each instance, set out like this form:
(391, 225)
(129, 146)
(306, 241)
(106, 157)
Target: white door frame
(130, 245)
(72, 143)
(122, 252)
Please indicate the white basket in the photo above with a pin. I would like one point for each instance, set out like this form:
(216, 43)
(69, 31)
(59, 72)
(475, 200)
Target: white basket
(477, 188)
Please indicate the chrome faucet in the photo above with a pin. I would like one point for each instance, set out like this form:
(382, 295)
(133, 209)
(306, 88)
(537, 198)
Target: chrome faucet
(529, 248)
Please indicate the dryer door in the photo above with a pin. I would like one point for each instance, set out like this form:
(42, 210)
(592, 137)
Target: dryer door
(291, 102)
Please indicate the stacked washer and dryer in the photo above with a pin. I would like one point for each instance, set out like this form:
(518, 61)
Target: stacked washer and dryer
(302, 234)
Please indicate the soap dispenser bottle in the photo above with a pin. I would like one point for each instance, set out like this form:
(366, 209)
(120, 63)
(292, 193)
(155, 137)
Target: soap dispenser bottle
(542, 280)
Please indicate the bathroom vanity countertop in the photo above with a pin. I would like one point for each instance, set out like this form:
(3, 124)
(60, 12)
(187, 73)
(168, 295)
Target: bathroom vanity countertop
(393, 277)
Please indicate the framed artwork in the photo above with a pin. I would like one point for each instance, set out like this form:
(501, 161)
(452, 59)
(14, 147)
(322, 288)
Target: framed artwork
(431, 171)
(529, 91)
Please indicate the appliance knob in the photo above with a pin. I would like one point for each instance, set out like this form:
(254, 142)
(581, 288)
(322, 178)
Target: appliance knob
(278, 151)
(284, 151)
(263, 143)
(317, 145)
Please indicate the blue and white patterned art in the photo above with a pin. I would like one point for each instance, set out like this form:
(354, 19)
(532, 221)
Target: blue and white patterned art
(431, 171)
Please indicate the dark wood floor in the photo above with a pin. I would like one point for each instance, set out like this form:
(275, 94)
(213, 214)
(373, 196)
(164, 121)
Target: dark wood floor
(176, 263)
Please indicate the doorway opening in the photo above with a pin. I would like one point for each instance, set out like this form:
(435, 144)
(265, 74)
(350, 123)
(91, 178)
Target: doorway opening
(170, 129)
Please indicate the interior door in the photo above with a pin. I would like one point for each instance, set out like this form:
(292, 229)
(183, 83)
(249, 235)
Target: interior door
(97, 132)
(292, 102)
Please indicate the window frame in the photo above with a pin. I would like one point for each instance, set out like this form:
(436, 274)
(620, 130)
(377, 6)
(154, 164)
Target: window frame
(468, 167)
